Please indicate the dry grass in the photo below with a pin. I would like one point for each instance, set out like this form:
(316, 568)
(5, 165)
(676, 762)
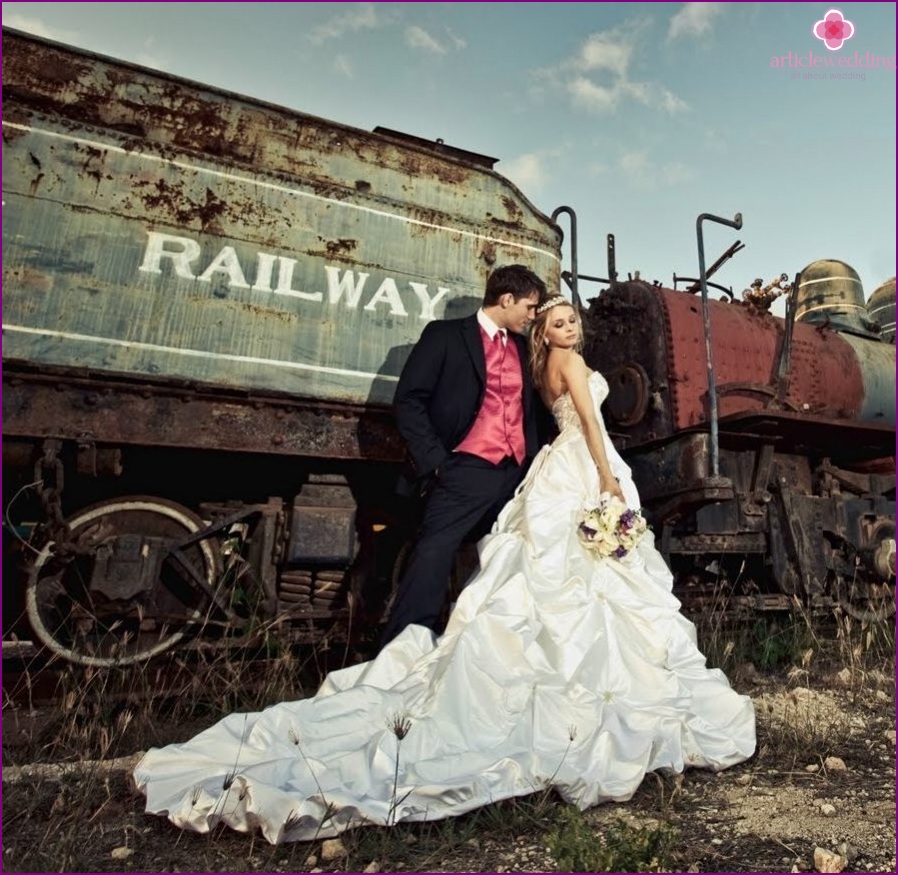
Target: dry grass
(103, 712)
(90, 819)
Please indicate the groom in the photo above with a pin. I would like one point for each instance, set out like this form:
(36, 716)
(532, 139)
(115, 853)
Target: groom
(466, 408)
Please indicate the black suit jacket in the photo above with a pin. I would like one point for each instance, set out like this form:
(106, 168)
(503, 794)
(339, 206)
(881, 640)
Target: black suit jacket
(441, 389)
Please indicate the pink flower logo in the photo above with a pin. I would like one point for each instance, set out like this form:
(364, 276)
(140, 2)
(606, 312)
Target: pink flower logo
(833, 29)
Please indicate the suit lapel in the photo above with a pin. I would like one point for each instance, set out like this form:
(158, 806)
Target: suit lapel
(525, 369)
(471, 332)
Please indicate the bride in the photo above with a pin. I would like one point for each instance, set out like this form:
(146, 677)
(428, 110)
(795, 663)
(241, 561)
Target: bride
(557, 668)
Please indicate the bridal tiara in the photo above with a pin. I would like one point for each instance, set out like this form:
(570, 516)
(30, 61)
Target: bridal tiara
(554, 301)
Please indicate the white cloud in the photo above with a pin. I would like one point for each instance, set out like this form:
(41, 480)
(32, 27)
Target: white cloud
(641, 92)
(418, 38)
(605, 51)
(646, 175)
(597, 78)
(655, 96)
(342, 66)
(362, 17)
(526, 171)
(39, 28)
(586, 93)
(669, 102)
(531, 170)
(694, 20)
(676, 173)
(457, 41)
(636, 165)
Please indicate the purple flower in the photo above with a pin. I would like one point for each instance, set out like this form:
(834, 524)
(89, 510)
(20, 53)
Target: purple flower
(611, 529)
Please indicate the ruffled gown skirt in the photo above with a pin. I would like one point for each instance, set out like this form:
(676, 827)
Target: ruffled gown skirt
(557, 669)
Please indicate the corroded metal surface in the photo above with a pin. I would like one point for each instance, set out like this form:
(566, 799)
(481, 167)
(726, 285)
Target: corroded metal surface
(881, 309)
(154, 226)
(641, 329)
(825, 377)
(804, 503)
(83, 408)
(876, 362)
(626, 339)
(187, 270)
(830, 293)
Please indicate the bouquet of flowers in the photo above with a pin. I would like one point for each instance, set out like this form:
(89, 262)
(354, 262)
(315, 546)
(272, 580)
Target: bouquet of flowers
(611, 529)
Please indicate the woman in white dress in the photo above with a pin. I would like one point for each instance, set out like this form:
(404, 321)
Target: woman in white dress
(558, 668)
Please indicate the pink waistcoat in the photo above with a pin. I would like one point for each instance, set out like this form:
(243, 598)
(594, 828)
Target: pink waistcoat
(498, 430)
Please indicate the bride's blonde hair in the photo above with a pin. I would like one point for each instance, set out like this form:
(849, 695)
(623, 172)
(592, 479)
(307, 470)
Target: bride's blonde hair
(539, 349)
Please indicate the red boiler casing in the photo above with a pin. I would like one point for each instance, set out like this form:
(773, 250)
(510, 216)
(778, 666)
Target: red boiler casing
(649, 342)
(825, 377)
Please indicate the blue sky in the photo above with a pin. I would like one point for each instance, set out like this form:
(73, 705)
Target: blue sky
(639, 116)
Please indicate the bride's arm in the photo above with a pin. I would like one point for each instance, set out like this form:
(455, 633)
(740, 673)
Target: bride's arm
(575, 374)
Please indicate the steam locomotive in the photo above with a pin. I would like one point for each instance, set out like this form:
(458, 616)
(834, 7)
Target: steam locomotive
(783, 488)
(207, 304)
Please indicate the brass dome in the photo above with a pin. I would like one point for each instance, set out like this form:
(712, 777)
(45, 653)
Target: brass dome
(830, 292)
(881, 309)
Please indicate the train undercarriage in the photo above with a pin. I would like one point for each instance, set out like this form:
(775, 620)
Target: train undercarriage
(776, 528)
(119, 545)
(125, 550)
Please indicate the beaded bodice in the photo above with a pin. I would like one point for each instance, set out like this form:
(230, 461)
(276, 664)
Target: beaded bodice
(564, 411)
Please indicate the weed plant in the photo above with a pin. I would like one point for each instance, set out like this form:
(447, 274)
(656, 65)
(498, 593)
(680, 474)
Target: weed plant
(617, 846)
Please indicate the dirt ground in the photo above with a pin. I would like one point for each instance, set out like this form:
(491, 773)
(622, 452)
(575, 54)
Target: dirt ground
(819, 795)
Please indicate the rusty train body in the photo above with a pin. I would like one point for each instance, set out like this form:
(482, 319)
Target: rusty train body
(207, 301)
(803, 501)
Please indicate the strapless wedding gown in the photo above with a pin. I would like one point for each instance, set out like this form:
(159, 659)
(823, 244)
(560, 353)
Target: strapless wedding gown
(556, 669)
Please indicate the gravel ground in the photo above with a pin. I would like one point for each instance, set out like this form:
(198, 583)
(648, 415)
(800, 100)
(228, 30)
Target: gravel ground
(819, 795)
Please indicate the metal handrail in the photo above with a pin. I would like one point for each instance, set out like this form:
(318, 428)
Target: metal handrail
(573, 276)
(735, 222)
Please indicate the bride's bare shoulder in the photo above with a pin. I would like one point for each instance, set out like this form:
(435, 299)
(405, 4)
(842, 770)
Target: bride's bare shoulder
(573, 366)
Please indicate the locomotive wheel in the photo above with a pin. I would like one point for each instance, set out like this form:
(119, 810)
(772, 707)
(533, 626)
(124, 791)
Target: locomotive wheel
(870, 602)
(107, 623)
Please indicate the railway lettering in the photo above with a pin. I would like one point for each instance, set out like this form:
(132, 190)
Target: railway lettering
(274, 274)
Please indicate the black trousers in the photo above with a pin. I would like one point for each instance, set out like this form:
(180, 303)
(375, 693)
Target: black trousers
(468, 489)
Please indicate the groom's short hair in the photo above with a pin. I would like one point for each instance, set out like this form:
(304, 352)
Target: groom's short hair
(513, 279)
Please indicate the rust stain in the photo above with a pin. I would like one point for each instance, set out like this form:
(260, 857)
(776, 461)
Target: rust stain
(488, 253)
(343, 246)
(180, 206)
(204, 303)
(28, 278)
(515, 214)
(10, 135)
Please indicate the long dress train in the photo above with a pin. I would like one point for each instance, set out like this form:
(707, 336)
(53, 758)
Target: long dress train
(556, 668)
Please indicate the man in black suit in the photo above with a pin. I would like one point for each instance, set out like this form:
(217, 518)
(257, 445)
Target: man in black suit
(467, 410)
